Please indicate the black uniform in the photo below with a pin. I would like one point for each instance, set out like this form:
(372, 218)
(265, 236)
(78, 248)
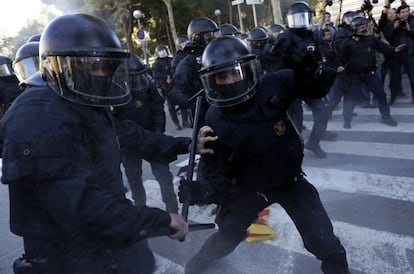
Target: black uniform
(250, 171)
(147, 110)
(186, 80)
(299, 51)
(162, 74)
(61, 162)
(9, 90)
(360, 70)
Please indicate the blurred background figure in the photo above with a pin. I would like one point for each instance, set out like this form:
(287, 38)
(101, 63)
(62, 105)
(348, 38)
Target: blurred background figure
(229, 29)
(180, 43)
(9, 84)
(274, 31)
(162, 77)
(257, 40)
(26, 65)
(186, 81)
(147, 110)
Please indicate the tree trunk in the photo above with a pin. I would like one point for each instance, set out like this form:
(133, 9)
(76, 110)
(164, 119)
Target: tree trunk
(168, 3)
(277, 12)
(127, 26)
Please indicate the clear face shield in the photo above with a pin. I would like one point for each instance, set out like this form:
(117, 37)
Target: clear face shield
(300, 20)
(257, 44)
(95, 81)
(162, 53)
(181, 46)
(139, 82)
(26, 67)
(207, 37)
(230, 85)
(5, 70)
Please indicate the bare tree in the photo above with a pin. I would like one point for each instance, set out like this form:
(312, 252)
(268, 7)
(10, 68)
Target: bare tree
(168, 3)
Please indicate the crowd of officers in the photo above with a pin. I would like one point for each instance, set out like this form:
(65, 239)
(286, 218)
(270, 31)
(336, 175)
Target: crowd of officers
(60, 149)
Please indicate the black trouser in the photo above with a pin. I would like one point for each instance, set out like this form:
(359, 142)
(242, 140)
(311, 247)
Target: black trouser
(396, 74)
(301, 201)
(373, 84)
(173, 112)
(320, 118)
(162, 173)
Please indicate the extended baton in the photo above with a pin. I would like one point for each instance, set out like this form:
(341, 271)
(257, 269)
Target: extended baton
(166, 231)
(191, 162)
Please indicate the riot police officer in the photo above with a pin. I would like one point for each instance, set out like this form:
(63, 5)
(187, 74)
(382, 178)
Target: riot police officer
(180, 44)
(229, 29)
(147, 110)
(360, 69)
(299, 51)
(26, 65)
(274, 31)
(162, 77)
(257, 158)
(257, 39)
(340, 86)
(61, 158)
(9, 84)
(186, 80)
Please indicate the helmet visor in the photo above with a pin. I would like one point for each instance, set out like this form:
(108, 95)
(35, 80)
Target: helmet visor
(300, 20)
(5, 70)
(96, 81)
(162, 53)
(230, 85)
(139, 82)
(26, 67)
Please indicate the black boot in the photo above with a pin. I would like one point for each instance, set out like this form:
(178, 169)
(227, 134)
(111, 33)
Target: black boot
(335, 264)
(316, 149)
(388, 120)
(347, 124)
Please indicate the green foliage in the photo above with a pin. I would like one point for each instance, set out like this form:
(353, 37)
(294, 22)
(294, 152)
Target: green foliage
(118, 13)
(9, 45)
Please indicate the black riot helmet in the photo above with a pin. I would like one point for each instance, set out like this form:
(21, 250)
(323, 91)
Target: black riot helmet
(162, 51)
(359, 26)
(229, 72)
(35, 38)
(138, 74)
(257, 38)
(202, 30)
(82, 60)
(6, 66)
(229, 29)
(274, 30)
(26, 62)
(300, 16)
(181, 42)
(347, 17)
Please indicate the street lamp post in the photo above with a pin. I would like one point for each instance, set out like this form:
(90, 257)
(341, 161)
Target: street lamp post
(217, 13)
(138, 15)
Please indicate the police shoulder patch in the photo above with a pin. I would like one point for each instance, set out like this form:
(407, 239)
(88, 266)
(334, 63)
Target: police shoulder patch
(279, 128)
(139, 104)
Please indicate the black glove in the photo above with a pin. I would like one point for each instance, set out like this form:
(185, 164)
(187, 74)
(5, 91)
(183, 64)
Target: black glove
(198, 194)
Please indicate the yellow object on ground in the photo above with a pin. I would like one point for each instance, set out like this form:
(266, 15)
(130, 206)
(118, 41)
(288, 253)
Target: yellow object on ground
(260, 230)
